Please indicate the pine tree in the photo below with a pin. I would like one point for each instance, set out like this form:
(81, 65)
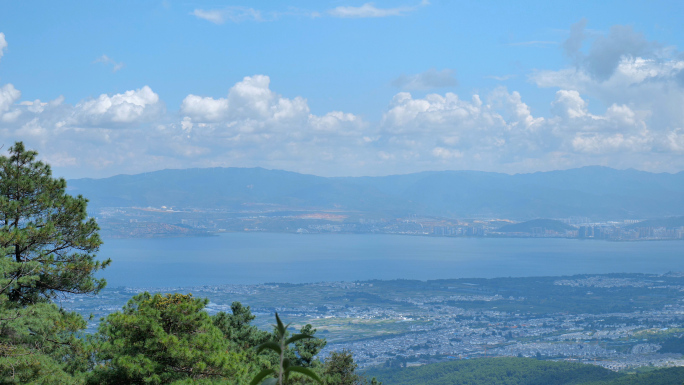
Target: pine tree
(237, 328)
(47, 247)
(163, 339)
(339, 368)
(47, 240)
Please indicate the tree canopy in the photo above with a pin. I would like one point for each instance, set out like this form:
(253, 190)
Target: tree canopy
(46, 238)
(162, 339)
(47, 248)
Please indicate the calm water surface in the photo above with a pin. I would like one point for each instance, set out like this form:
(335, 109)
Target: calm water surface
(247, 258)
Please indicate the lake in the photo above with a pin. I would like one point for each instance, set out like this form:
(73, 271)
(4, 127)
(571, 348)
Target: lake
(249, 258)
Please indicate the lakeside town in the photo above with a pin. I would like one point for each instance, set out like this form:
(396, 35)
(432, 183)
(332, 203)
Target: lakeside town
(617, 321)
(133, 222)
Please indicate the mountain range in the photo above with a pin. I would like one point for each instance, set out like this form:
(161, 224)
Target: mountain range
(595, 192)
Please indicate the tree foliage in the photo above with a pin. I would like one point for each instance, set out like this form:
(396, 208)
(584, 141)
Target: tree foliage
(340, 369)
(162, 339)
(47, 241)
(496, 371)
(47, 247)
(237, 327)
(306, 350)
(40, 344)
(285, 367)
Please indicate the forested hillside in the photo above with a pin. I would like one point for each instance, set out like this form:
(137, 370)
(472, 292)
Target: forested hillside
(520, 371)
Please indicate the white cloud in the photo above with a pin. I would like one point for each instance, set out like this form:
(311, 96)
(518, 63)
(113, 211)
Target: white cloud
(255, 126)
(250, 104)
(369, 10)
(601, 144)
(104, 59)
(133, 106)
(254, 112)
(455, 133)
(675, 140)
(215, 16)
(467, 124)
(441, 152)
(234, 14)
(11, 116)
(335, 122)
(637, 80)
(8, 96)
(569, 105)
(426, 80)
(204, 109)
(631, 118)
(3, 44)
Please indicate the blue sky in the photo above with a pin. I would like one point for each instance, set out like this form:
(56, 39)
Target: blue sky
(344, 87)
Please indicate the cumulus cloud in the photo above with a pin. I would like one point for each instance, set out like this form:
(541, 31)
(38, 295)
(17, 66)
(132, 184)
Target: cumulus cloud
(250, 101)
(675, 140)
(205, 109)
(618, 129)
(369, 10)
(132, 106)
(569, 105)
(255, 126)
(631, 118)
(254, 111)
(426, 80)
(638, 82)
(445, 129)
(233, 14)
(131, 132)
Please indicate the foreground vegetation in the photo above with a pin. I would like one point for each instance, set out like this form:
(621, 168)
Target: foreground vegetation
(47, 251)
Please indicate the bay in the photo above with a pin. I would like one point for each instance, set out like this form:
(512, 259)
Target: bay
(252, 258)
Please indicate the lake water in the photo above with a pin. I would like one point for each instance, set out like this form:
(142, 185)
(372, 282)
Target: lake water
(248, 258)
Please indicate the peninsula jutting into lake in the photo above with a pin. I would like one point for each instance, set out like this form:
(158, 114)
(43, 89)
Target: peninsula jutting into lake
(586, 203)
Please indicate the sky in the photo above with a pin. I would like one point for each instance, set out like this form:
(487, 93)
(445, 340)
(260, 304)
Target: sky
(344, 87)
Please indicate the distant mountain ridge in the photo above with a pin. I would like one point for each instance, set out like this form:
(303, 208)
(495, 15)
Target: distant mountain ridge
(595, 192)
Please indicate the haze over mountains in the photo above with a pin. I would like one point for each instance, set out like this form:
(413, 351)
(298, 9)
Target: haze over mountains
(594, 192)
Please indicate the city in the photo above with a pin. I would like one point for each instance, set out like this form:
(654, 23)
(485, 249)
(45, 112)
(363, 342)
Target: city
(617, 321)
(124, 222)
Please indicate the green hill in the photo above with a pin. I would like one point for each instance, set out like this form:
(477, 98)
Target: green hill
(495, 371)
(520, 371)
(530, 226)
